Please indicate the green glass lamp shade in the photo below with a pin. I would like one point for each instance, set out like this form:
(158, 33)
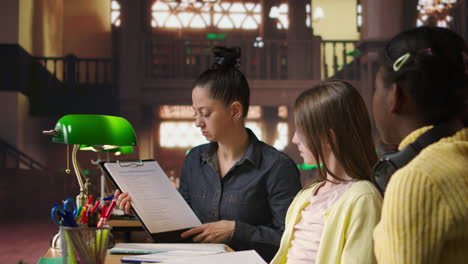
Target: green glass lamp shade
(94, 130)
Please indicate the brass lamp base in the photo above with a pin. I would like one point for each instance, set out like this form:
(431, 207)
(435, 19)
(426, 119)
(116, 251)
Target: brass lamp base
(81, 199)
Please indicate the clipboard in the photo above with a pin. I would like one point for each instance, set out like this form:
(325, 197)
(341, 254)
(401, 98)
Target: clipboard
(158, 205)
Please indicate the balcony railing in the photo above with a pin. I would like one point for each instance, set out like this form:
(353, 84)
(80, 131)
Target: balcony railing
(185, 59)
(60, 85)
(338, 57)
(73, 70)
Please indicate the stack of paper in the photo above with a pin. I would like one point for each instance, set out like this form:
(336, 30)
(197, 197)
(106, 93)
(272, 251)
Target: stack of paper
(198, 257)
(184, 253)
(148, 248)
(166, 256)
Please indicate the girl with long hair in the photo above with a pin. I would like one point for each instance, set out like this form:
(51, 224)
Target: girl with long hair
(332, 220)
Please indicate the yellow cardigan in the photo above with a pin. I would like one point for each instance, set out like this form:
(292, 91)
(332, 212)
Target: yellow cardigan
(425, 211)
(348, 225)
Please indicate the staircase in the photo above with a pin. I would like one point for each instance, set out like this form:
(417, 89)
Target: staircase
(12, 158)
(29, 188)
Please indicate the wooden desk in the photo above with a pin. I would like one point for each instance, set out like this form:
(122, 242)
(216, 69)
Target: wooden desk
(126, 226)
(110, 258)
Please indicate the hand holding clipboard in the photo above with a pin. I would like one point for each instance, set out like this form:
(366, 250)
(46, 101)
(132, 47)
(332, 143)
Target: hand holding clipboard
(123, 201)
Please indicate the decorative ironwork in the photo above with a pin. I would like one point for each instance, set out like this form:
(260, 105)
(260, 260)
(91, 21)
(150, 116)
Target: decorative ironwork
(205, 14)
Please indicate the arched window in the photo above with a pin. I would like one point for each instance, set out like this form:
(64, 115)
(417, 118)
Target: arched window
(177, 129)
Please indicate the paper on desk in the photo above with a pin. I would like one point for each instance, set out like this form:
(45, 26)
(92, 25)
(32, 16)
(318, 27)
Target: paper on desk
(244, 257)
(154, 198)
(169, 255)
(146, 248)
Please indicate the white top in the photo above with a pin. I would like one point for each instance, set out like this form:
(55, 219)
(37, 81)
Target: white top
(308, 231)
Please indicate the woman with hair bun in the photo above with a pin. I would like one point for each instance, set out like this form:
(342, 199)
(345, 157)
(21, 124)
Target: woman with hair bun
(238, 186)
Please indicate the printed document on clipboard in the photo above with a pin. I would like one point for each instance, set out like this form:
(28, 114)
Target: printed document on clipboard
(155, 201)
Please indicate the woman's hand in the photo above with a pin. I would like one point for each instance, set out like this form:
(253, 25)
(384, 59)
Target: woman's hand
(123, 201)
(215, 232)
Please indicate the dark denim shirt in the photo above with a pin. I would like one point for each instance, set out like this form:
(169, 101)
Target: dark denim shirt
(255, 193)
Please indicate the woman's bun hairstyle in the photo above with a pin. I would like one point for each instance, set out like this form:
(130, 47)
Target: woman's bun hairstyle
(226, 57)
(224, 79)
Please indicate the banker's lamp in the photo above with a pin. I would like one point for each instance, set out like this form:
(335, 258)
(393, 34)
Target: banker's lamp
(95, 131)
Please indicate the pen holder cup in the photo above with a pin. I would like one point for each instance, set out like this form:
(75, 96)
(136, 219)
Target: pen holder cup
(84, 244)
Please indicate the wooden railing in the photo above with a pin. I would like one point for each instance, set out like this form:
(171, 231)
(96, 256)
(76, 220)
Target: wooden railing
(339, 55)
(10, 157)
(73, 70)
(185, 59)
(60, 85)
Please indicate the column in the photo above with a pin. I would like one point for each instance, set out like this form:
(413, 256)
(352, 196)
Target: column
(303, 48)
(268, 29)
(131, 60)
(381, 21)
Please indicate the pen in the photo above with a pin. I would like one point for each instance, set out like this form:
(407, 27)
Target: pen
(109, 198)
(103, 210)
(90, 200)
(139, 261)
(95, 207)
(92, 216)
(78, 211)
(106, 214)
(78, 214)
(84, 218)
(109, 210)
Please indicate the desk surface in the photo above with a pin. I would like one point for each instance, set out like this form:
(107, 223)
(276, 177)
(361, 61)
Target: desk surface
(110, 258)
(123, 223)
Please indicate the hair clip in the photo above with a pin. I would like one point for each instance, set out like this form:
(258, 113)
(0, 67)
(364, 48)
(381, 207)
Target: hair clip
(401, 61)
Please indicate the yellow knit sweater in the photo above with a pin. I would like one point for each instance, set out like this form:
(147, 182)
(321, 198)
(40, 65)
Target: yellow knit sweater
(348, 225)
(425, 209)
